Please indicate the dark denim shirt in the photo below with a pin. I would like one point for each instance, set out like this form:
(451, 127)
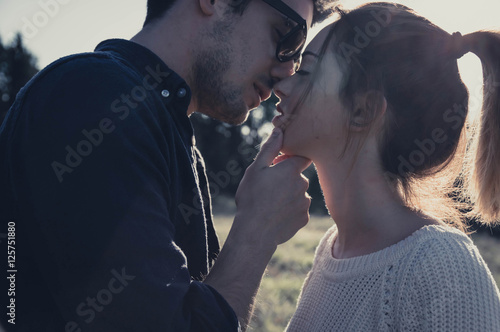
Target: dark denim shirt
(100, 175)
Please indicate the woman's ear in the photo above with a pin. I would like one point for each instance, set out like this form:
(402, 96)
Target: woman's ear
(207, 7)
(368, 108)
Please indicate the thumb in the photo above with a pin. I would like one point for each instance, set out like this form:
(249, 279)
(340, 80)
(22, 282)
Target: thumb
(270, 149)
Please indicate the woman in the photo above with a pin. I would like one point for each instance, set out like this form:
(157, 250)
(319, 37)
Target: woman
(379, 107)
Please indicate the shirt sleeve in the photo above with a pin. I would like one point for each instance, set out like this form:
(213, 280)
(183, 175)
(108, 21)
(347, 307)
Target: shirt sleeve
(450, 288)
(93, 184)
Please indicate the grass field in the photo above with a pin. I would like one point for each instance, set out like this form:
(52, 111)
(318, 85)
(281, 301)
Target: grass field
(282, 282)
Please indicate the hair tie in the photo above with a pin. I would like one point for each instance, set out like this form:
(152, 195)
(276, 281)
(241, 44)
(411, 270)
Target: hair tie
(457, 47)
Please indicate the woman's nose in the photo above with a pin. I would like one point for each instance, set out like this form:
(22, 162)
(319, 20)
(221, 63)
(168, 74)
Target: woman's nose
(279, 90)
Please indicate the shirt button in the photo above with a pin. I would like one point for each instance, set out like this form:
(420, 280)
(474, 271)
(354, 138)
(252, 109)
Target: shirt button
(165, 93)
(181, 93)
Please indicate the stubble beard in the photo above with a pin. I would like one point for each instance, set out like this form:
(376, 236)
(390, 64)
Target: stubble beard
(215, 96)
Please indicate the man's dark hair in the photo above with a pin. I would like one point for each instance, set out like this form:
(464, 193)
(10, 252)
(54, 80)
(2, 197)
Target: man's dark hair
(157, 8)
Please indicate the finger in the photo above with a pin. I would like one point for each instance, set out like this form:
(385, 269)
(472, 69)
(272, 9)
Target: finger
(270, 149)
(297, 163)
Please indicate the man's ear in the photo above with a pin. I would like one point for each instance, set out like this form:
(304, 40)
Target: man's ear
(207, 7)
(368, 107)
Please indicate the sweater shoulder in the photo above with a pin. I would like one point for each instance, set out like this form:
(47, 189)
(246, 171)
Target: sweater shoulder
(445, 254)
(446, 285)
(447, 248)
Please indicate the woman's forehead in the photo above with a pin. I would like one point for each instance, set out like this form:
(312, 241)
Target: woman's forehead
(317, 42)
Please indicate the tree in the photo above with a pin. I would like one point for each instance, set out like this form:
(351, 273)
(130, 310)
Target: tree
(17, 67)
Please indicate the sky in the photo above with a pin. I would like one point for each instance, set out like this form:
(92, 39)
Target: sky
(55, 28)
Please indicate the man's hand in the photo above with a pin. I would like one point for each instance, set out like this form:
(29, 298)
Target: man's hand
(272, 205)
(272, 202)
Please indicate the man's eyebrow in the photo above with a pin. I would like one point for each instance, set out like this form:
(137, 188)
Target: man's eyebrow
(311, 54)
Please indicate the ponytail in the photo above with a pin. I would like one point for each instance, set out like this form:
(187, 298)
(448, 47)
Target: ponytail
(483, 170)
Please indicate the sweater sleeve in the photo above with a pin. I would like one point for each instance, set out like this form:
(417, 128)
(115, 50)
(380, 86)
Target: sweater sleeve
(101, 230)
(449, 288)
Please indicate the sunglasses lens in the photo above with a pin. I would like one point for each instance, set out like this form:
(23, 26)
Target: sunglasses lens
(291, 45)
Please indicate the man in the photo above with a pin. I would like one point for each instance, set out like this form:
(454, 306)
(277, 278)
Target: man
(104, 189)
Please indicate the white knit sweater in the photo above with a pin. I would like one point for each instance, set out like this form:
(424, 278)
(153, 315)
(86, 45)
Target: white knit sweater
(434, 280)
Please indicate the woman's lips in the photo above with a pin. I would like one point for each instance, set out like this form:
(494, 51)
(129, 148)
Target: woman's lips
(277, 122)
(278, 119)
(279, 109)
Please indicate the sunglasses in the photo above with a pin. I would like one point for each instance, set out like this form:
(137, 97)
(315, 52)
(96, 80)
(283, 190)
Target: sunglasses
(291, 44)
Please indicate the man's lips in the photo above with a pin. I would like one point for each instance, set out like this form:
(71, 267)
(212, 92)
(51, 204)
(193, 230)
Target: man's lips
(263, 92)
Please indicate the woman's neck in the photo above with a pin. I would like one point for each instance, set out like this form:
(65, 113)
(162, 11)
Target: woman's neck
(368, 213)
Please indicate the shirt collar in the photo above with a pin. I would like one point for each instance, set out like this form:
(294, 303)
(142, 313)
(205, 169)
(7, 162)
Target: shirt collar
(157, 77)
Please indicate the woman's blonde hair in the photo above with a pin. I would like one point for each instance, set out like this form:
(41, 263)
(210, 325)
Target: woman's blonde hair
(482, 171)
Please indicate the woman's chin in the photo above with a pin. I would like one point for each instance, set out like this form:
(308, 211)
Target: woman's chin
(287, 149)
(293, 150)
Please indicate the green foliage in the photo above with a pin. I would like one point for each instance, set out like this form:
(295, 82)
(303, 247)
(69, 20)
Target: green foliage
(17, 67)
